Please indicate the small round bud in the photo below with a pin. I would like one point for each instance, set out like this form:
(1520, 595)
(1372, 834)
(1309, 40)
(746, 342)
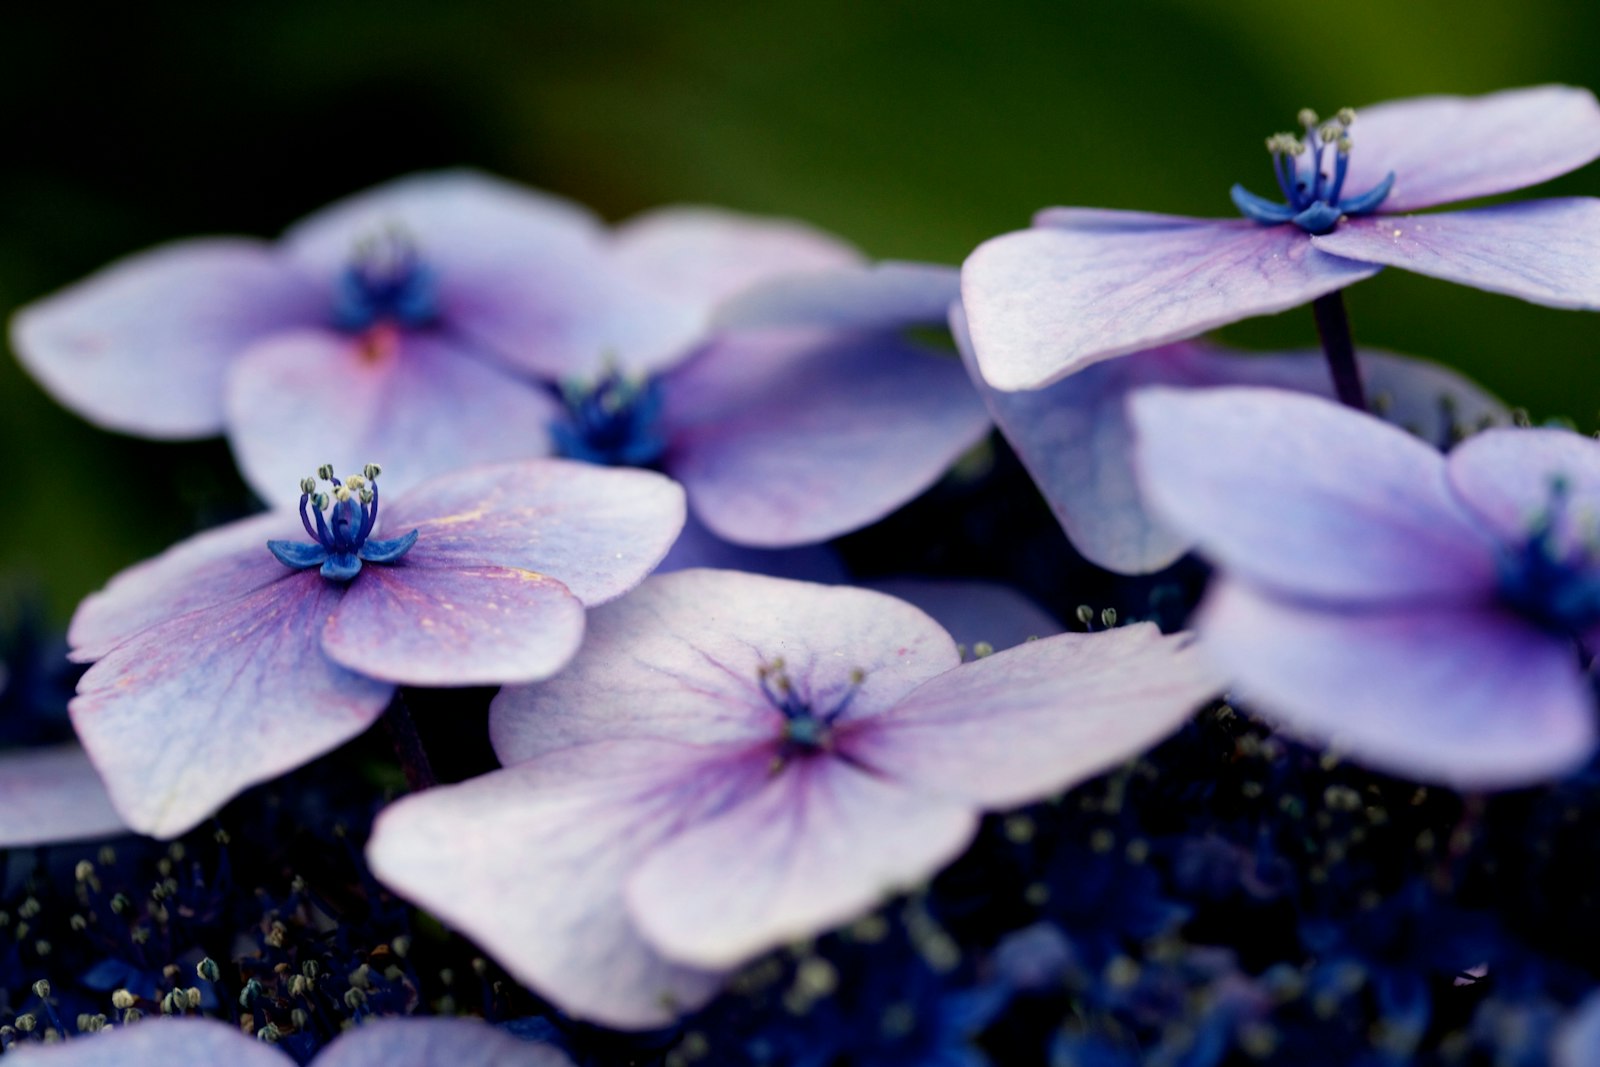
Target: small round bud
(122, 1000)
(192, 995)
(299, 986)
(354, 998)
(92, 1024)
(41, 989)
(371, 471)
(325, 472)
(83, 871)
(78, 923)
(29, 908)
(1347, 116)
(401, 946)
(1307, 118)
(310, 968)
(174, 1003)
(120, 903)
(26, 1023)
(131, 1016)
(308, 485)
(251, 993)
(981, 649)
(208, 970)
(270, 1034)
(299, 1018)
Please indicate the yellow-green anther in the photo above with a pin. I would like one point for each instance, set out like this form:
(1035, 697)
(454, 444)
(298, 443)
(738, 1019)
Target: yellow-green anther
(366, 495)
(341, 493)
(308, 485)
(325, 472)
(1329, 132)
(1345, 144)
(371, 470)
(354, 483)
(41, 989)
(319, 501)
(1347, 116)
(208, 970)
(1307, 118)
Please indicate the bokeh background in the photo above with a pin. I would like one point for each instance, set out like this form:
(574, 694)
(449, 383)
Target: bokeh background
(916, 128)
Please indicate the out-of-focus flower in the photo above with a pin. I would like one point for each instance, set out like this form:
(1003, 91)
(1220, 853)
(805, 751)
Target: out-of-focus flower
(734, 761)
(1085, 285)
(222, 663)
(1432, 615)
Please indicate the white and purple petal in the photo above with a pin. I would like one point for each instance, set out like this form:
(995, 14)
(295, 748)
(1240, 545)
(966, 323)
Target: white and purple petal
(1047, 302)
(598, 531)
(786, 438)
(155, 1042)
(820, 843)
(1446, 148)
(530, 862)
(415, 402)
(435, 1042)
(1038, 718)
(682, 659)
(879, 296)
(454, 626)
(144, 345)
(191, 711)
(1307, 497)
(53, 794)
(1468, 695)
(1508, 480)
(1543, 251)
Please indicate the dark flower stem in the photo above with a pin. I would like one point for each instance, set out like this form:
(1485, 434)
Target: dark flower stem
(402, 731)
(1333, 327)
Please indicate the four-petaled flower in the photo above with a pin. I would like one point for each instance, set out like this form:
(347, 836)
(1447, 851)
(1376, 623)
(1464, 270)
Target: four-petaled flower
(1085, 285)
(1434, 615)
(734, 761)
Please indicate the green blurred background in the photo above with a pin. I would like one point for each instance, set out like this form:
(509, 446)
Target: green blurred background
(916, 129)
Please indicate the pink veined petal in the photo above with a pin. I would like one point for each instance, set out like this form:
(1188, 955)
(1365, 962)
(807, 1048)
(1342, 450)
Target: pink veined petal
(820, 843)
(1039, 718)
(417, 404)
(697, 546)
(974, 612)
(53, 794)
(530, 862)
(435, 1042)
(1047, 302)
(596, 530)
(454, 626)
(526, 275)
(1543, 251)
(1468, 695)
(681, 657)
(208, 569)
(1444, 148)
(1308, 497)
(193, 710)
(155, 1042)
(701, 256)
(143, 346)
(880, 296)
(832, 434)
(1505, 477)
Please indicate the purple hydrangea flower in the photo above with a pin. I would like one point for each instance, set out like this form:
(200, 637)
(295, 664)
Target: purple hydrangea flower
(1085, 285)
(422, 1042)
(1075, 439)
(1435, 616)
(735, 761)
(247, 650)
(53, 794)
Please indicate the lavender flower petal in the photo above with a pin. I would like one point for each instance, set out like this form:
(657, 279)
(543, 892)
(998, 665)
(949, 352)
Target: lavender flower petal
(1045, 303)
(420, 403)
(811, 436)
(596, 530)
(1544, 251)
(1476, 698)
(190, 711)
(820, 843)
(435, 1042)
(886, 295)
(143, 346)
(1446, 148)
(457, 626)
(53, 794)
(1292, 516)
(1505, 477)
(1035, 719)
(156, 1042)
(681, 658)
(974, 612)
(530, 862)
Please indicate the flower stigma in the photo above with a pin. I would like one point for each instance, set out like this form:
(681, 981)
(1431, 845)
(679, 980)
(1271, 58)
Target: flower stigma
(386, 281)
(341, 542)
(614, 421)
(1556, 587)
(1314, 195)
(805, 730)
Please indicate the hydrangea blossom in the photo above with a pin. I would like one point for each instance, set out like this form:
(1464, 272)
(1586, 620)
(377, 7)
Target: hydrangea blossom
(1085, 285)
(247, 650)
(1076, 442)
(1436, 616)
(734, 761)
(418, 1042)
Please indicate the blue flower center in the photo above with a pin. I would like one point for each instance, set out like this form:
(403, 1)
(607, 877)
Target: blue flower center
(615, 421)
(1311, 172)
(806, 730)
(1552, 580)
(386, 281)
(341, 542)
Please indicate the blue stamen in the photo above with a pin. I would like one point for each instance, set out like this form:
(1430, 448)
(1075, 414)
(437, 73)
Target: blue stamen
(340, 550)
(615, 421)
(804, 729)
(1313, 203)
(386, 281)
(1557, 589)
